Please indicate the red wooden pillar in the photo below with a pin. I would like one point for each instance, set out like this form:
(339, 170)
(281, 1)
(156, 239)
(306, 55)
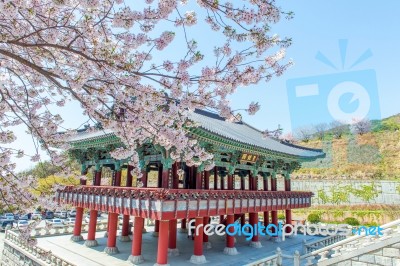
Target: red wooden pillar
(230, 240)
(230, 181)
(242, 219)
(76, 237)
(91, 238)
(136, 256)
(266, 213)
(253, 181)
(206, 179)
(165, 177)
(159, 176)
(129, 177)
(156, 228)
(250, 181)
(198, 178)
(207, 244)
(125, 229)
(215, 177)
(222, 186)
(198, 257)
(97, 177)
(117, 177)
(288, 212)
(255, 243)
(144, 176)
(112, 235)
(175, 177)
(183, 228)
(125, 220)
(172, 249)
(162, 250)
(274, 214)
(160, 184)
(144, 172)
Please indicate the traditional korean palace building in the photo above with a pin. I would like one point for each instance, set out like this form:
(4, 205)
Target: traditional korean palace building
(241, 155)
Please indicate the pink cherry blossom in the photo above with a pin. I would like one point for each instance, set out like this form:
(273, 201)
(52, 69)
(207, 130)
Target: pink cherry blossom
(115, 55)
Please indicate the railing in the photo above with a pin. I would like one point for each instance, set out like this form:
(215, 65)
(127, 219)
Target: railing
(41, 256)
(277, 259)
(309, 247)
(166, 204)
(64, 230)
(180, 194)
(348, 245)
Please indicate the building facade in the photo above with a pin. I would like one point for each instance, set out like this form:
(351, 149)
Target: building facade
(183, 193)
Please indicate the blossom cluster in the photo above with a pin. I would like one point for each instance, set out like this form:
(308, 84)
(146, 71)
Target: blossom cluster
(114, 55)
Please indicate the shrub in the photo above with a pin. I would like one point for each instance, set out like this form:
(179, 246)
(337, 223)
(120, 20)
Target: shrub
(314, 218)
(371, 224)
(351, 221)
(281, 216)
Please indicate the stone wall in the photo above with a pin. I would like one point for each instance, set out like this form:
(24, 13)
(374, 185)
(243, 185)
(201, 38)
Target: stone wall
(12, 255)
(388, 190)
(387, 256)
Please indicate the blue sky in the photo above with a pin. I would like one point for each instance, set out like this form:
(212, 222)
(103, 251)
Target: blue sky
(317, 27)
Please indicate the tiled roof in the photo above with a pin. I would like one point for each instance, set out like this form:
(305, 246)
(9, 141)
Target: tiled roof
(244, 133)
(236, 131)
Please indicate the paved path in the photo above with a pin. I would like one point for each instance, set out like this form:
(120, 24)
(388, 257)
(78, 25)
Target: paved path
(79, 254)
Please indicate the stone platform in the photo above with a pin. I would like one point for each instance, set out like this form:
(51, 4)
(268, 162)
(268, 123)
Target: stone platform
(79, 254)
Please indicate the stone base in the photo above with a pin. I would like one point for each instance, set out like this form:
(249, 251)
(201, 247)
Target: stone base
(136, 259)
(156, 264)
(155, 234)
(230, 251)
(207, 245)
(91, 243)
(173, 252)
(106, 234)
(124, 239)
(182, 230)
(198, 259)
(256, 244)
(111, 250)
(77, 238)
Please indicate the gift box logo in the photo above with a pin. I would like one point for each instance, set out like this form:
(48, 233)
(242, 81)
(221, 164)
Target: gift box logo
(341, 96)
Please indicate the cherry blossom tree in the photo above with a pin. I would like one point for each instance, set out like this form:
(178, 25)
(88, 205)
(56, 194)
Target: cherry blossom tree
(361, 126)
(114, 58)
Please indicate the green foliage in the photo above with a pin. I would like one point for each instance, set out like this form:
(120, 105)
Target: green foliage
(281, 216)
(340, 194)
(351, 221)
(314, 218)
(46, 168)
(389, 124)
(371, 224)
(323, 198)
(367, 192)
